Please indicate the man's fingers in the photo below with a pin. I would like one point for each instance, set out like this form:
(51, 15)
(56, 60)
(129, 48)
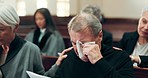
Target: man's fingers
(63, 57)
(5, 48)
(66, 50)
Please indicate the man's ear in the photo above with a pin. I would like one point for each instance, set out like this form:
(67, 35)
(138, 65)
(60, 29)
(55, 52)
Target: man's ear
(16, 28)
(100, 36)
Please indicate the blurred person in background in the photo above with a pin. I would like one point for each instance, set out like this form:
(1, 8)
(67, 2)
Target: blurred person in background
(45, 36)
(95, 10)
(136, 43)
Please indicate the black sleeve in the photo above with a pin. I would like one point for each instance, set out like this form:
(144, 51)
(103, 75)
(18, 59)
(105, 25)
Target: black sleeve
(144, 61)
(103, 69)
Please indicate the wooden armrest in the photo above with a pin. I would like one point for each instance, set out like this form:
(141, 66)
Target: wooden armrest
(140, 72)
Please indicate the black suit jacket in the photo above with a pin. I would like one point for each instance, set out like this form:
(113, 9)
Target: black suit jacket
(128, 42)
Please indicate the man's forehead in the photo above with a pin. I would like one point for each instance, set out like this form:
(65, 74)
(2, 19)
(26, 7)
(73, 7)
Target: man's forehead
(81, 36)
(3, 26)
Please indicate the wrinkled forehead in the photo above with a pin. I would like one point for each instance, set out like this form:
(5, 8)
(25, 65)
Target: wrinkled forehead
(4, 26)
(83, 36)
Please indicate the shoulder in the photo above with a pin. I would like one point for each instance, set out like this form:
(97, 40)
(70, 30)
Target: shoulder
(57, 33)
(130, 34)
(30, 46)
(107, 50)
(71, 56)
(30, 33)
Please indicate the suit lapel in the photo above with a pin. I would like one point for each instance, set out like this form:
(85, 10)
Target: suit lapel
(132, 42)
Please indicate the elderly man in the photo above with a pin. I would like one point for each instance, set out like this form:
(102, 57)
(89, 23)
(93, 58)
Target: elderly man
(90, 58)
(17, 55)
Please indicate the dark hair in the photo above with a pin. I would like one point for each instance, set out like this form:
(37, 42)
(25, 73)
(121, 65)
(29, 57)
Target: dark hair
(48, 18)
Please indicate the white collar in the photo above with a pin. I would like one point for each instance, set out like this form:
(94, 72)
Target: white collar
(42, 30)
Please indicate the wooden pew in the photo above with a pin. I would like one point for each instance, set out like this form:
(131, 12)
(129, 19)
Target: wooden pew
(48, 61)
(116, 26)
(141, 72)
(23, 30)
(117, 30)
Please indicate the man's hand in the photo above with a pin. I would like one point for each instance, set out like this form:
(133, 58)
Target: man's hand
(135, 58)
(92, 51)
(62, 56)
(5, 49)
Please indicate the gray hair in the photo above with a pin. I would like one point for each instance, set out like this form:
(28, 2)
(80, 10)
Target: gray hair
(8, 16)
(83, 20)
(92, 9)
(144, 10)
